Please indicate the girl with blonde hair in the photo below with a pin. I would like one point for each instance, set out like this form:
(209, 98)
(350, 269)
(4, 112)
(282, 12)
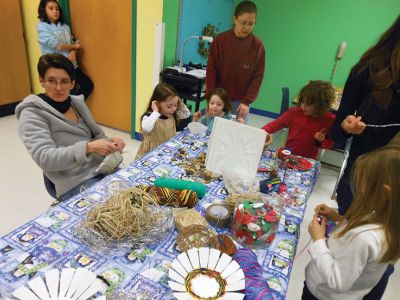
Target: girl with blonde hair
(366, 239)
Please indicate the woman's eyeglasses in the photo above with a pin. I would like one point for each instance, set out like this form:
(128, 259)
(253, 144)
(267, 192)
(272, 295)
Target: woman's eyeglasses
(245, 24)
(54, 83)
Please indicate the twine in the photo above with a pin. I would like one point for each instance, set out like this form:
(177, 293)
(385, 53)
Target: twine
(127, 213)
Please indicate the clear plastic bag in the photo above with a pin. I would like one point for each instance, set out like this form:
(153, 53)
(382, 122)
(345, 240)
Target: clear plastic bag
(236, 183)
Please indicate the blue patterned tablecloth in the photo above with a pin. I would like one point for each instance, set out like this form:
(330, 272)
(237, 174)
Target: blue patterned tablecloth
(49, 241)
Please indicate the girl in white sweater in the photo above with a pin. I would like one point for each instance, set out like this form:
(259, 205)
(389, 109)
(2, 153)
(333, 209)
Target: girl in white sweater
(352, 260)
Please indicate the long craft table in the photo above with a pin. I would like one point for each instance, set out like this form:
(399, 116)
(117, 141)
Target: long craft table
(49, 241)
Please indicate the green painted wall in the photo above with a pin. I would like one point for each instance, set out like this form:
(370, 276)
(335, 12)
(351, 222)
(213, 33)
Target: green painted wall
(301, 39)
(171, 20)
(64, 4)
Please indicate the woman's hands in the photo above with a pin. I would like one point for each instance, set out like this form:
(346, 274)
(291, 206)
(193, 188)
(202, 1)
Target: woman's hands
(104, 147)
(196, 116)
(119, 142)
(353, 125)
(242, 110)
(328, 212)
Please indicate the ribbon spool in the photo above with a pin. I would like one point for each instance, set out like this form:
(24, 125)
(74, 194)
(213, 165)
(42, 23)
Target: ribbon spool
(179, 184)
(218, 214)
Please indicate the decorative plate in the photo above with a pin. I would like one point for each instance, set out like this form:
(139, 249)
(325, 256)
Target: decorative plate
(79, 284)
(206, 273)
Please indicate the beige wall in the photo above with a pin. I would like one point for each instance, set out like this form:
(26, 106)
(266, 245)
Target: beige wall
(30, 20)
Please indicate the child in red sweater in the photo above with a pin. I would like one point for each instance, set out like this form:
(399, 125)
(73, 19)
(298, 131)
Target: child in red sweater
(309, 122)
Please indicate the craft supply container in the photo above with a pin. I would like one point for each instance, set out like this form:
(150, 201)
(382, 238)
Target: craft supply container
(255, 222)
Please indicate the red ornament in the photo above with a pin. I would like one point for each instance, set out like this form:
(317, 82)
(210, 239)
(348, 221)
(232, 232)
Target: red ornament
(271, 216)
(271, 238)
(244, 218)
(248, 237)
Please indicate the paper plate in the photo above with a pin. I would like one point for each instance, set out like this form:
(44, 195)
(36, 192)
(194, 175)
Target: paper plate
(79, 284)
(197, 128)
(206, 273)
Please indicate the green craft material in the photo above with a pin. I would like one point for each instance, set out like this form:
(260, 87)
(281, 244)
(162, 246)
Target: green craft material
(179, 184)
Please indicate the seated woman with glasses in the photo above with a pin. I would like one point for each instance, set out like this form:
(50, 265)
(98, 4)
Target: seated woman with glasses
(59, 131)
(236, 61)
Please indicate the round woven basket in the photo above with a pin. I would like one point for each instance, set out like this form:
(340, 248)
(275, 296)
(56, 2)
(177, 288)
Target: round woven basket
(195, 236)
(223, 243)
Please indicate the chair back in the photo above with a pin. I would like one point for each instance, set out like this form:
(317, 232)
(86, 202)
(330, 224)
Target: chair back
(50, 187)
(285, 100)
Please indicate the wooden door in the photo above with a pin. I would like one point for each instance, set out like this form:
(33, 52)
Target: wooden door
(104, 29)
(14, 73)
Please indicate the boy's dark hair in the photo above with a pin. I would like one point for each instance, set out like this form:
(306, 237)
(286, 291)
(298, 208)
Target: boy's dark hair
(245, 7)
(55, 60)
(321, 94)
(42, 16)
(224, 97)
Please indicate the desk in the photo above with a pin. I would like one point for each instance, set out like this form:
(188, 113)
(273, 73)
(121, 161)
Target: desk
(335, 104)
(188, 87)
(49, 240)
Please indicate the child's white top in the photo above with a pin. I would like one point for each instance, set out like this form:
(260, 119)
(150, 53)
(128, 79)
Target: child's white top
(148, 122)
(347, 267)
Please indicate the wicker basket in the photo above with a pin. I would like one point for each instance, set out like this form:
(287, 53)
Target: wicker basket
(188, 217)
(223, 243)
(195, 236)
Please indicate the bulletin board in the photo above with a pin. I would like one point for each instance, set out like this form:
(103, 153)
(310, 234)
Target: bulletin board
(194, 15)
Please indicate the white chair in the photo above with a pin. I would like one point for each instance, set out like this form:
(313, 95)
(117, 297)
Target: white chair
(345, 151)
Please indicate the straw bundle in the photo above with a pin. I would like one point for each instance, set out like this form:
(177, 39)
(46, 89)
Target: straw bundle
(127, 213)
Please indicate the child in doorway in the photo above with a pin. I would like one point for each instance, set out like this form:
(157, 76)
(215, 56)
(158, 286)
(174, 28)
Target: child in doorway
(55, 37)
(309, 122)
(351, 262)
(160, 119)
(218, 105)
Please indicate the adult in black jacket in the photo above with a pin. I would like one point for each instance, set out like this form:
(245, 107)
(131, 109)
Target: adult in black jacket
(369, 111)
